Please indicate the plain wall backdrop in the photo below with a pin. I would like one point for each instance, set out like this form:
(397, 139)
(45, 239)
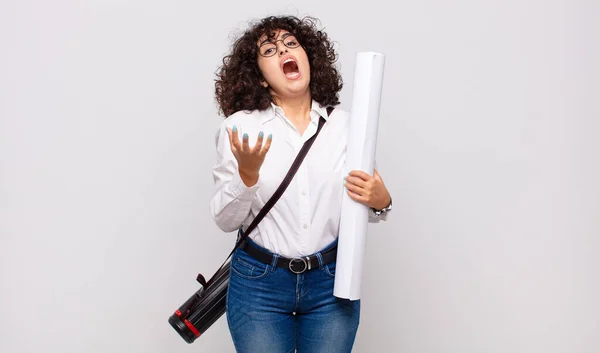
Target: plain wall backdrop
(488, 141)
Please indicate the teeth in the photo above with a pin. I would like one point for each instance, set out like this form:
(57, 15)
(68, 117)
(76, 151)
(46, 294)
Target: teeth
(288, 60)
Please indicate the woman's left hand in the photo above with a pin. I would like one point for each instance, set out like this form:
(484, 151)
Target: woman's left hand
(368, 190)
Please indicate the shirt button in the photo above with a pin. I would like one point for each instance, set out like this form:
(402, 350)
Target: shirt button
(305, 226)
(303, 192)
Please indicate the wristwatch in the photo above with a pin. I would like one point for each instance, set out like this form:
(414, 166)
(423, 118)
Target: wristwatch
(383, 210)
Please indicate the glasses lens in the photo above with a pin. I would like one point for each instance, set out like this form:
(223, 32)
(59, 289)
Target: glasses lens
(268, 49)
(291, 42)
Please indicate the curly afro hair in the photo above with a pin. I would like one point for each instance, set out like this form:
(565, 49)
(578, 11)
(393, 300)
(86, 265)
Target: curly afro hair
(238, 86)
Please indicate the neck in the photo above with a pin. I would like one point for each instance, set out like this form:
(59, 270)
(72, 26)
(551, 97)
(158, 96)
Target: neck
(297, 109)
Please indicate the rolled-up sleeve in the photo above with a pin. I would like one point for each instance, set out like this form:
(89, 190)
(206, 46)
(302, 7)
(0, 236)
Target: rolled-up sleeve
(232, 199)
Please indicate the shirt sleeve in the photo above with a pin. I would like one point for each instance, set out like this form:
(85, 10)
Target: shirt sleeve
(232, 199)
(373, 218)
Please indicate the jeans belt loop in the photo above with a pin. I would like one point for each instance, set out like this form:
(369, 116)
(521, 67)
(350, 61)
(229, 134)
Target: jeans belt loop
(321, 261)
(274, 262)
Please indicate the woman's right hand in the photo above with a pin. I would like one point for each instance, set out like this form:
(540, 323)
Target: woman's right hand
(249, 159)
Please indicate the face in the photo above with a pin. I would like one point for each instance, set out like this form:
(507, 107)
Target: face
(284, 64)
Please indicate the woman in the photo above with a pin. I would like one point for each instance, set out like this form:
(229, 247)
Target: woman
(273, 88)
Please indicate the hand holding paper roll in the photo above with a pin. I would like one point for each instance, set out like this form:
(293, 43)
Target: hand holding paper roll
(368, 190)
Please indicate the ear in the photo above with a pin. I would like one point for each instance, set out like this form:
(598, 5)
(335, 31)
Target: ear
(264, 84)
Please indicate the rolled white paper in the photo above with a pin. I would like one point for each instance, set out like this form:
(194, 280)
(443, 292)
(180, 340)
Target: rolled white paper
(360, 155)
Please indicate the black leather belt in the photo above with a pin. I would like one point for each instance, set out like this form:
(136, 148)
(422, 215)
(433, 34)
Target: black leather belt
(297, 265)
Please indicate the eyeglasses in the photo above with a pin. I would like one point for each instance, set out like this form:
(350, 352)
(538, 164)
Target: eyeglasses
(270, 48)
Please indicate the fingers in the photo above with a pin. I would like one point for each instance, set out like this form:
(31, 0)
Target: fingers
(233, 138)
(229, 133)
(357, 197)
(245, 143)
(259, 141)
(359, 186)
(367, 190)
(356, 189)
(356, 181)
(360, 174)
(267, 146)
(257, 148)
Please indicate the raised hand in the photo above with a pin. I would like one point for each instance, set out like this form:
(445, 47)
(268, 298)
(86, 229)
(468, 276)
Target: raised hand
(249, 159)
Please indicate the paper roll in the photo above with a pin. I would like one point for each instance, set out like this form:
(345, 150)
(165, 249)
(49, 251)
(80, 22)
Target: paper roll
(360, 155)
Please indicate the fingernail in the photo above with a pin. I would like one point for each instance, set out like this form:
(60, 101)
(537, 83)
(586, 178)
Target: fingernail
(270, 136)
(261, 134)
(245, 135)
(234, 129)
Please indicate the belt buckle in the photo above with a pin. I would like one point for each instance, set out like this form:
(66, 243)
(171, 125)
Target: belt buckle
(298, 260)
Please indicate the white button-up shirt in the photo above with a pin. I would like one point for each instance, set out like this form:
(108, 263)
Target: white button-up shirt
(307, 216)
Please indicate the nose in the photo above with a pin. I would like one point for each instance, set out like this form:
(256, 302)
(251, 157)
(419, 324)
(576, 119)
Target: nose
(282, 48)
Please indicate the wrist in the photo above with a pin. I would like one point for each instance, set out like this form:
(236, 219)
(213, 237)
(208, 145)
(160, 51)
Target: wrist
(379, 212)
(385, 204)
(249, 178)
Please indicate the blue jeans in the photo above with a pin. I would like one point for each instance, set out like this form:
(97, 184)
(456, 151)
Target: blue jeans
(272, 310)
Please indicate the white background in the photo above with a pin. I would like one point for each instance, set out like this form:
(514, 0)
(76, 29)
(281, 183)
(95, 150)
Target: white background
(488, 141)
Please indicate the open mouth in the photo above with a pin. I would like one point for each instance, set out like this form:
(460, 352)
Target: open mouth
(290, 69)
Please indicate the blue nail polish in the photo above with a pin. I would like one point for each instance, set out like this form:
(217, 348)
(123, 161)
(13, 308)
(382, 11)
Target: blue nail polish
(245, 135)
(270, 136)
(234, 128)
(261, 134)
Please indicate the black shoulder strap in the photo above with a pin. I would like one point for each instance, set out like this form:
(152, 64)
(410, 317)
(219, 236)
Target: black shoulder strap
(280, 190)
(286, 181)
(288, 178)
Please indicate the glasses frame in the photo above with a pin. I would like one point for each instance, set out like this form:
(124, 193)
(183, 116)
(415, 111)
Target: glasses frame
(275, 43)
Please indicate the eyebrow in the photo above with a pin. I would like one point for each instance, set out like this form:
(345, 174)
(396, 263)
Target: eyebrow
(283, 36)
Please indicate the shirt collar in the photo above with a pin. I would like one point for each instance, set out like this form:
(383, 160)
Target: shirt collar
(316, 111)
